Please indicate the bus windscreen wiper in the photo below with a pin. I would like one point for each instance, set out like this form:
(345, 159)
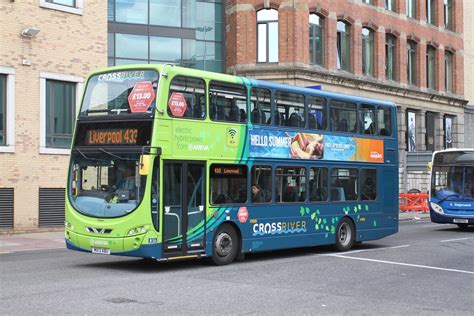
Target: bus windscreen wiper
(448, 196)
(87, 157)
(114, 155)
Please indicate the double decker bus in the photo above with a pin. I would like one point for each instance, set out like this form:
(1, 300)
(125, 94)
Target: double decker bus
(169, 163)
(452, 187)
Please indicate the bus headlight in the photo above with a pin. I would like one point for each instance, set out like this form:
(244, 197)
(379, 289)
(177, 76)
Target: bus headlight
(437, 208)
(138, 230)
(68, 225)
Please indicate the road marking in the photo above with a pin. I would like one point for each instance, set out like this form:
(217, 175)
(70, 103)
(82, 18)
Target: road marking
(403, 264)
(457, 239)
(374, 249)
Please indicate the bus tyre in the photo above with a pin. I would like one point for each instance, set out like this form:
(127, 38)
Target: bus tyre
(225, 245)
(345, 235)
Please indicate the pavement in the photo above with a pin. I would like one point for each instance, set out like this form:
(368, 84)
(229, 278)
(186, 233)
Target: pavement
(55, 240)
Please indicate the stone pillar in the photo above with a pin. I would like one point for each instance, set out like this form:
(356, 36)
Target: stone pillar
(330, 41)
(356, 46)
(379, 53)
(458, 131)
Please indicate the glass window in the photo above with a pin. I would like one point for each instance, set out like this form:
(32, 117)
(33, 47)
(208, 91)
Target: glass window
(368, 180)
(228, 184)
(431, 11)
(193, 92)
(289, 109)
(3, 109)
(209, 21)
(228, 102)
(390, 5)
(260, 104)
(390, 57)
(448, 75)
(316, 39)
(209, 56)
(448, 14)
(165, 12)
(110, 10)
(261, 184)
(367, 52)
(60, 113)
(131, 46)
(267, 36)
(411, 8)
(430, 67)
(343, 116)
(69, 3)
(131, 11)
(165, 49)
(384, 121)
(290, 184)
(318, 184)
(343, 46)
(344, 186)
(367, 119)
(368, 1)
(411, 63)
(317, 113)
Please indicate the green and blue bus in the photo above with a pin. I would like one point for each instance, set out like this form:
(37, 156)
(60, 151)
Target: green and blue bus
(170, 163)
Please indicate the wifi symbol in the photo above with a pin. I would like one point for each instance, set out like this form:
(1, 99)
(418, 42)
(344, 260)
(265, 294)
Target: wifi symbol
(232, 132)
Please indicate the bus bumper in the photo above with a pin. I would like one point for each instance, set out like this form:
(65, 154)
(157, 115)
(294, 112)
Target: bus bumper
(451, 219)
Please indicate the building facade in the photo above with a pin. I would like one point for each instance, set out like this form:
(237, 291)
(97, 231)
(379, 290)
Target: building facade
(406, 51)
(469, 73)
(47, 47)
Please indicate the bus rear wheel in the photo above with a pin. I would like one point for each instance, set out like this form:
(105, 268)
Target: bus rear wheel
(225, 245)
(345, 235)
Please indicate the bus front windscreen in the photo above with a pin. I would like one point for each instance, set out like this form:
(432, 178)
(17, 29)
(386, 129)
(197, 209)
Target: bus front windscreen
(105, 185)
(120, 92)
(452, 181)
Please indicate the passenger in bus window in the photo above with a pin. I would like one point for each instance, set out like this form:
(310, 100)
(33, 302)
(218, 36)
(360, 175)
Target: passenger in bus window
(257, 194)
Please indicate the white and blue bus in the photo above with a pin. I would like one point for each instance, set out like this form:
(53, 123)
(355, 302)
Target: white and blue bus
(452, 187)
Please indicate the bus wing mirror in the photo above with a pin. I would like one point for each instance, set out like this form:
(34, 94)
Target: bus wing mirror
(145, 165)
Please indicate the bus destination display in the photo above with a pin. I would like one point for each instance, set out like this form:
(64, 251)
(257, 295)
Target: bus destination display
(112, 136)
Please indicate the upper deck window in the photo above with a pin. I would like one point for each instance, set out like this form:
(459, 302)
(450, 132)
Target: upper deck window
(187, 98)
(120, 92)
(260, 103)
(290, 110)
(227, 102)
(343, 116)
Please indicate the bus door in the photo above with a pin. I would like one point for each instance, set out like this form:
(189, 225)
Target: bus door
(184, 189)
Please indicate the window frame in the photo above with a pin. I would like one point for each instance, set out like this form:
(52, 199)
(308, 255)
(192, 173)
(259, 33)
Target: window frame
(272, 179)
(431, 12)
(390, 5)
(368, 41)
(252, 106)
(76, 9)
(245, 175)
(431, 64)
(448, 15)
(362, 172)
(412, 71)
(276, 182)
(357, 176)
(44, 76)
(448, 71)
(325, 111)
(9, 146)
(411, 9)
(204, 94)
(277, 112)
(309, 194)
(345, 39)
(313, 43)
(342, 103)
(210, 103)
(267, 23)
(392, 49)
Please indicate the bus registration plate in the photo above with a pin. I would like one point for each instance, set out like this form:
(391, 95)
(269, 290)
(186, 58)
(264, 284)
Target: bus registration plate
(101, 251)
(460, 220)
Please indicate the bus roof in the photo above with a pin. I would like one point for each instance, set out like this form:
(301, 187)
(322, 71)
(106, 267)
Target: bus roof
(252, 82)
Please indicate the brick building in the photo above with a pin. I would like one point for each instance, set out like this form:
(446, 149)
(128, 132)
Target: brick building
(469, 73)
(47, 47)
(406, 51)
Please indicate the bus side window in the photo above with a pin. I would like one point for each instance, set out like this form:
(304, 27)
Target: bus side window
(290, 110)
(261, 189)
(290, 184)
(384, 121)
(260, 105)
(228, 102)
(228, 184)
(343, 116)
(317, 113)
(344, 184)
(368, 183)
(367, 119)
(318, 184)
(192, 90)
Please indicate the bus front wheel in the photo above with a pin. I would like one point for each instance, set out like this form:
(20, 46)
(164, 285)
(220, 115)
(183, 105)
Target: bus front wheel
(345, 234)
(225, 245)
